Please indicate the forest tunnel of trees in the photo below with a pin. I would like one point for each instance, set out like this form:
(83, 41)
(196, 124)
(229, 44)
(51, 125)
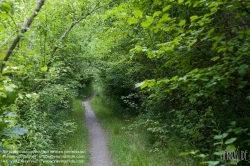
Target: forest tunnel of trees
(180, 66)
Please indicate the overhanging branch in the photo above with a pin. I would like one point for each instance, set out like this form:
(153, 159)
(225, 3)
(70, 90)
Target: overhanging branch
(22, 31)
(63, 37)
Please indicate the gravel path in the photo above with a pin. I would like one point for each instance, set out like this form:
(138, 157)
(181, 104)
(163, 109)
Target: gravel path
(98, 140)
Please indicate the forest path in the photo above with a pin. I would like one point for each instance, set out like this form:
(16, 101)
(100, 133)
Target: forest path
(98, 140)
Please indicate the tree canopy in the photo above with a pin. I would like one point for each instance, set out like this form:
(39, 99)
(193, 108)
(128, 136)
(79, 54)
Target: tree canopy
(180, 66)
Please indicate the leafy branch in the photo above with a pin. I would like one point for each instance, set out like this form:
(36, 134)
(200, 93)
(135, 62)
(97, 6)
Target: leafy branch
(52, 54)
(22, 31)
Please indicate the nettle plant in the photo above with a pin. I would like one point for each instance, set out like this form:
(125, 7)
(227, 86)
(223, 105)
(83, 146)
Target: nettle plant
(47, 116)
(231, 147)
(204, 45)
(10, 130)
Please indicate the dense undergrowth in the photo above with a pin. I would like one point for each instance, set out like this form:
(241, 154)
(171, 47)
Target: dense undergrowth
(180, 66)
(183, 67)
(129, 144)
(40, 79)
(78, 140)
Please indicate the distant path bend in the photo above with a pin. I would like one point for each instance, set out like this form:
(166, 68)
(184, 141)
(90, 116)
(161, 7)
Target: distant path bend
(98, 141)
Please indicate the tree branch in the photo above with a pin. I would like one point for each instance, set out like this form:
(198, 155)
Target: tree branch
(72, 26)
(6, 40)
(22, 31)
(63, 37)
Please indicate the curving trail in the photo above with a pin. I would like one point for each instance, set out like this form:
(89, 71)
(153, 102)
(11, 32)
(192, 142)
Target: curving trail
(98, 140)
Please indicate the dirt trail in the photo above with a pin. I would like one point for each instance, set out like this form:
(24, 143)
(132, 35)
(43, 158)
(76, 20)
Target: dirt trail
(98, 140)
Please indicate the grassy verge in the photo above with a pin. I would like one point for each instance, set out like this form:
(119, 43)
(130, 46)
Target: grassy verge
(131, 147)
(79, 140)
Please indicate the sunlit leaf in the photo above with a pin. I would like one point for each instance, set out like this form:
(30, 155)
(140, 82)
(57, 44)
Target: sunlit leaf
(4, 16)
(5, 6)
(132, 20)
(157, 13)
(182, 22)
(44, 69)
(145, 24)
(165, 18)
(138, 13)
(215, 58)
(193, 18)
(180, 1)
(141, 84)
(166, 8)
(148, 22)
(1, 27)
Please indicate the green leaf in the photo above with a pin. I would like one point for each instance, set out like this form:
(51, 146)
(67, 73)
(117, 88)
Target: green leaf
(28, 96)
(1, 27)
(196, 3)
(4, 16)
(147, 22)
(201, 23)
(233, 123)
(141, 84)
(132, 20)
(44, 69)
(230, 148)
(18, 130)
(138, 48)
(157, 13)
(224, 135)
(10, 88)
(192, 98)
(210, 32)
(2, 125)
(180, 1)
(243, 69)
(3, 148)
(231, 140)
(165, 17)
(52, 69)
(166, 8)
(211, 163)
(202, 156)
(6, 7)
(10, 114)
(151, 83)
(182, 22)
(138, 13)
(215, 58)
(234, 162)
(193, 18)
(192, 43)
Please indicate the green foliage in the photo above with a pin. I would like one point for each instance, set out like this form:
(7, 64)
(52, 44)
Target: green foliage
(46, 116)
(128, 141)
(45, 73)
(78, 141)
(183, 64)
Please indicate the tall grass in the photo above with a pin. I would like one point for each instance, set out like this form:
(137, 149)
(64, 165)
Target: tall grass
(79, 140)
(131, 147)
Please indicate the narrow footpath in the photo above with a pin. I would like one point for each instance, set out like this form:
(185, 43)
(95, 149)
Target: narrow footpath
(98, 140)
